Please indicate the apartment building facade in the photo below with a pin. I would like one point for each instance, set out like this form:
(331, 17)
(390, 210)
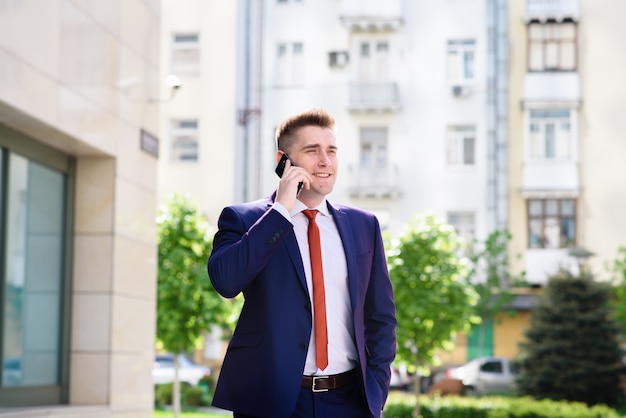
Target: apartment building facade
(409, 98)
(565, 136)
(79, 147)
(198, 123)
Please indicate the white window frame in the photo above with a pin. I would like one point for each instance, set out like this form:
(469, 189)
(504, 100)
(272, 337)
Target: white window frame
(290, 64)
(184, 141)
(373, 147)
(551, 134)
(460, 143)
(373, 60)
(464, 222)
(185, 54)
(461, 55)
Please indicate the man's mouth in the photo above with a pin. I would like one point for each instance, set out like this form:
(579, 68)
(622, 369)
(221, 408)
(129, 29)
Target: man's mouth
(322, 175)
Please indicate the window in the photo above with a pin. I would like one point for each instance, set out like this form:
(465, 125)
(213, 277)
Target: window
(373, 62)
(461, 61)
(290, 64)
(551, 223)
(461, 144)
(185, 54)
(550, 134)
(374, 147)
(552, 46)
(494, 366)
(464, 224)
(34, 276)
(184, 140)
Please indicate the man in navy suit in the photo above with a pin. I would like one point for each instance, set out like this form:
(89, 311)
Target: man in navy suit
(261, 249)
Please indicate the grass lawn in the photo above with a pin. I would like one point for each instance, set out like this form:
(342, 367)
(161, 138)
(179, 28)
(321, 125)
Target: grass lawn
(170, 414)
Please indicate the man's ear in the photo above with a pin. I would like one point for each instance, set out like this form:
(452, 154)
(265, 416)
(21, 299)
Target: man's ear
(279, 154)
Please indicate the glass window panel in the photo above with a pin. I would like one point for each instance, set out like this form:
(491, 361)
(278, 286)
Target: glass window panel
(468, 150)
(552, 207)
(568, 30)
(567, 232)
(535, 207)
(365, 49)
(567, 207)
(568, 55)
(34, 253)
(550, 142)
(552, 232)
(552, 55)
(534, 233)
(468, 65)
(535, 32)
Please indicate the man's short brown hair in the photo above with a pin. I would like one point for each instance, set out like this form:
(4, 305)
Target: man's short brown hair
(286, 131)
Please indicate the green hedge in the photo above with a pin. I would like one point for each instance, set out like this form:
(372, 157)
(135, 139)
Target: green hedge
(190, 396)
(493, 407)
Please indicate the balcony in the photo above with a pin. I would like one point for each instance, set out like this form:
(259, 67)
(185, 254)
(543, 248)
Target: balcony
(374, 98)
(550, 179)
(371, 15)
(374, 182)
(556, 88)
(558, 10)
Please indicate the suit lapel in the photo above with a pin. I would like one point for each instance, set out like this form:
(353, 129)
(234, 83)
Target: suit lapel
(345, 232)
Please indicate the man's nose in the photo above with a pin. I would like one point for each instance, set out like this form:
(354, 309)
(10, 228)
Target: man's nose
(324, 159)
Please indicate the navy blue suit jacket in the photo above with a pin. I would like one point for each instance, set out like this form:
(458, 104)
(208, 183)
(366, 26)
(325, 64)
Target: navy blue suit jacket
(255, 252)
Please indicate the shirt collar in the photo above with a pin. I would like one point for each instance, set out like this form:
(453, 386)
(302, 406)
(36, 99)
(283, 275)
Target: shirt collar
(299, 207)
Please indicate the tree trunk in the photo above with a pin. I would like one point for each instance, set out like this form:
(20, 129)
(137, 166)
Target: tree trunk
(417, 389)
(176, 389)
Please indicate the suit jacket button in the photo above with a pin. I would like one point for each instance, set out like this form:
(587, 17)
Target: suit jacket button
(307, 307)
(302, 347)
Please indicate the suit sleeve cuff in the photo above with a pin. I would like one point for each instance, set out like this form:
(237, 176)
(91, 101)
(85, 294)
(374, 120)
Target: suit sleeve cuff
(282, 210)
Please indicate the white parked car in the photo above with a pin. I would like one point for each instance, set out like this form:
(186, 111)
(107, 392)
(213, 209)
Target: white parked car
(188, 372)
(485, 375)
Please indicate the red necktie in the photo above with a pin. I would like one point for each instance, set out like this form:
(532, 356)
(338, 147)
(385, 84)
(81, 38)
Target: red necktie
(319, 297)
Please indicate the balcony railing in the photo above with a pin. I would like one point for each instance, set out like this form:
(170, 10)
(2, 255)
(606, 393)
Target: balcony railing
(371, 15)
(558, 10)
(374, 182)
(374, 97)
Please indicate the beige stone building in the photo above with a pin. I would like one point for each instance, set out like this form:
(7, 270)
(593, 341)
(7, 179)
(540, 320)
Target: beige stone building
(566, 134)
(79, 86)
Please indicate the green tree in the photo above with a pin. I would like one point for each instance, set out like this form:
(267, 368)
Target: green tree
(491, 279)
(618, 301)
(572, 349)
(187, 304)
(433, 298)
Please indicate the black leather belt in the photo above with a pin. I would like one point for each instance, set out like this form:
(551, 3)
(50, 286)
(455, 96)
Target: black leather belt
(325, 383)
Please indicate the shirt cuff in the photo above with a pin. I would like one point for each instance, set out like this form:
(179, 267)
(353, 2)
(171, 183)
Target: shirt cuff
(282, 210)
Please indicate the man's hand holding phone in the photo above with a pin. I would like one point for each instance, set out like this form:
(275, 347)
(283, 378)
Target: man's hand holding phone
(288, 190)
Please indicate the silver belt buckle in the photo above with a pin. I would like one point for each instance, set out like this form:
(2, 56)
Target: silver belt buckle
(315, 379)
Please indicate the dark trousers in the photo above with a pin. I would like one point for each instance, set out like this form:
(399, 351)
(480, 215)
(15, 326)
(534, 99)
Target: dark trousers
(344, 402)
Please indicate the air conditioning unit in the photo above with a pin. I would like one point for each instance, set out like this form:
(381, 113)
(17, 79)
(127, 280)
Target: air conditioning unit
(459, 90)
(337, 59)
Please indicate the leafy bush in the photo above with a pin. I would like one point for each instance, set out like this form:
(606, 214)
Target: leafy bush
(494, 407)
(191, 396)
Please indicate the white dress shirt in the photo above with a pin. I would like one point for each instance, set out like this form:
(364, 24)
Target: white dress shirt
(342, 353)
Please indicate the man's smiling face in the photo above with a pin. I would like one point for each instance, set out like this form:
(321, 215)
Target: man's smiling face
(315, 150)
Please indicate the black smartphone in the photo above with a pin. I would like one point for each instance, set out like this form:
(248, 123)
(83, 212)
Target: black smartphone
(280, 168)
